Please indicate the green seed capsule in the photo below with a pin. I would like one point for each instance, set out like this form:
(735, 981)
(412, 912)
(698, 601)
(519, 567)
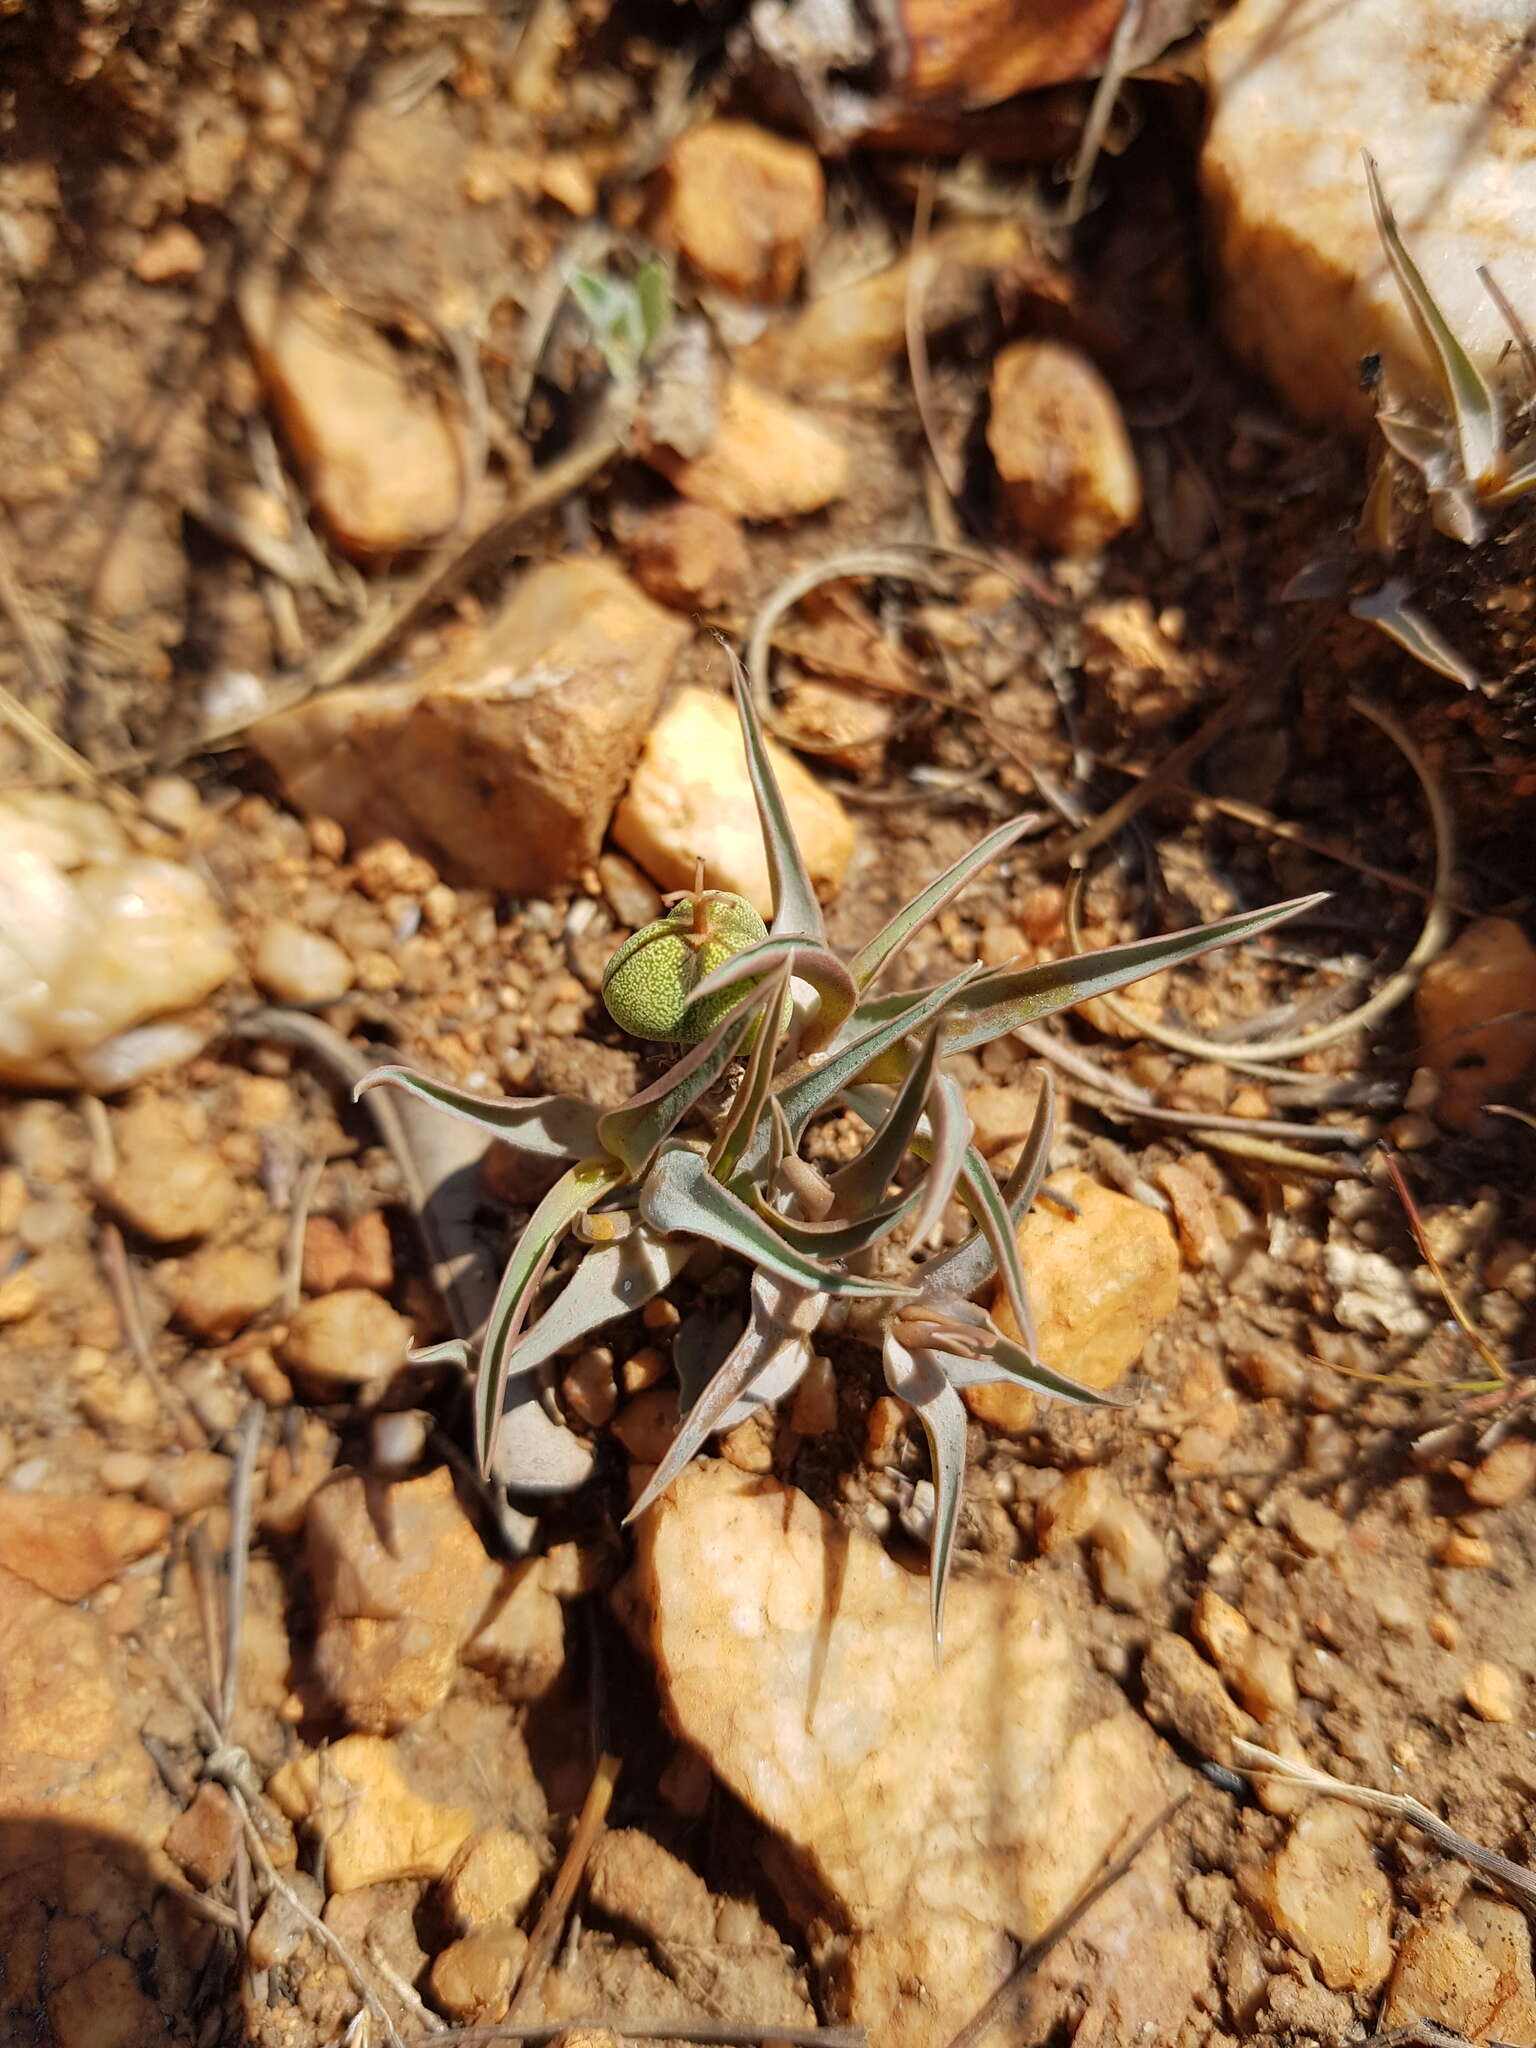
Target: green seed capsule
(648, 984)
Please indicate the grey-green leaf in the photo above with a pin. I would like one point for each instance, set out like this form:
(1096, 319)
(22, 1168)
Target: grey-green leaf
(796, 912)
(916, 1378)
(865, 1178)
(575, 1191)
(972, 1263)
(999, 1001)
(611, 1281)
(545, 1127)
(872, 962)
(1472, 399)
(680, 1194)
(634, 1130)
(1389, 612)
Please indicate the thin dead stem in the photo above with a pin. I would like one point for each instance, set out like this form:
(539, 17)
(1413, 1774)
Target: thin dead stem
(1399, 1806)
(545, 1938)
(1000, 2005)
(921, 263)
(1398, 986)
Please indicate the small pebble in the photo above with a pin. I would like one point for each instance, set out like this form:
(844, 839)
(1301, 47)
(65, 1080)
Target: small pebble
(1490, 1692)
(195, 1480)
(299, 966)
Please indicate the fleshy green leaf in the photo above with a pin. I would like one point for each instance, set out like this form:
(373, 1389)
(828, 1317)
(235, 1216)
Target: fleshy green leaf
(796, 912)
(751, 1098)
(653, 295)
(633, 1131)
(872, 962)
(916, 1378)
(1387, 610)
(681, 1194)
(1009, 996)
(1472, 399)
(452, 1351)
(816, 965)
(865, 1179)
(781, 1319)
(1522, 475)
(575, 1191)
(545, 1127)
(611, 1281)
(841, 1237)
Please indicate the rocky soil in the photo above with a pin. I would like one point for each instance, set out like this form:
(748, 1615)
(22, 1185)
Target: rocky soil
(363, 685)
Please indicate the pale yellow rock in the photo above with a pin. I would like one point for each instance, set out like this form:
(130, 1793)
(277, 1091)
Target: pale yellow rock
(68, 1742)
(383, 467)
(493, 1877)
(1504, 1475)
(633, 1878)
(691, 797)
(1184, 1694)
(846, 339)
(472, 1980)
(71, 1547)
(1002, 1112)
(345, 1339)
(1442, 1976)
(1064, 458)
(1298, 89)
(740, 205)
(522, 1641)
(400, 1580)
(1327, 1897)
(167, 1185)
(103, 950)
(502, 760)
(988, 1791)
(183, 1485)
(1490, 1692)
(223, 1287)
(1220, 1630)
(1128, 1559)
(299, 966)
(768, 459)
(1099, 1284)
(374, 1827)
(1476, 1015)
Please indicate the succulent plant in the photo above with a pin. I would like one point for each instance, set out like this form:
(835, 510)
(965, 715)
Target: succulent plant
(784, 1032)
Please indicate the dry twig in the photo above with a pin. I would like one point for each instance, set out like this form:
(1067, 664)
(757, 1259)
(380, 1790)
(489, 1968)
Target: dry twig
(545, 1938)
(1515, 1879)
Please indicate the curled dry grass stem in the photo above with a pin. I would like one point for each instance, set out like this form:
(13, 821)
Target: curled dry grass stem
(1433, 937)
(1463, 1321)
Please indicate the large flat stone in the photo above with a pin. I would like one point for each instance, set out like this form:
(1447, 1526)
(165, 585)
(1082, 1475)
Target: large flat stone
(502, 761)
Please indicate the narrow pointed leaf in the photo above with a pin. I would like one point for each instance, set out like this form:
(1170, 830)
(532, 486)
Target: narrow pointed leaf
(983, 1198)
(1010, 996)
(760, 1346)
(747, 1109)
(872, 962)
(917, 1378)
(545, 1127)
(865, 1179)
(633, 1131)
(950, 1122)
(841, 1237)
(816, 965)
(1473, 401)
(575, 1191)
(1521, 478)
(1388, 612)
(611, 1281)
(1011, 1361)
(796, 912)
(814, 1090)
(681, 1194)
(971, 1264)
(1427, 447)
(452, 1351)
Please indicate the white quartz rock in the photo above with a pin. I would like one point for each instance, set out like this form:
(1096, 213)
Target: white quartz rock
(1442, 98)
(102, 949)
